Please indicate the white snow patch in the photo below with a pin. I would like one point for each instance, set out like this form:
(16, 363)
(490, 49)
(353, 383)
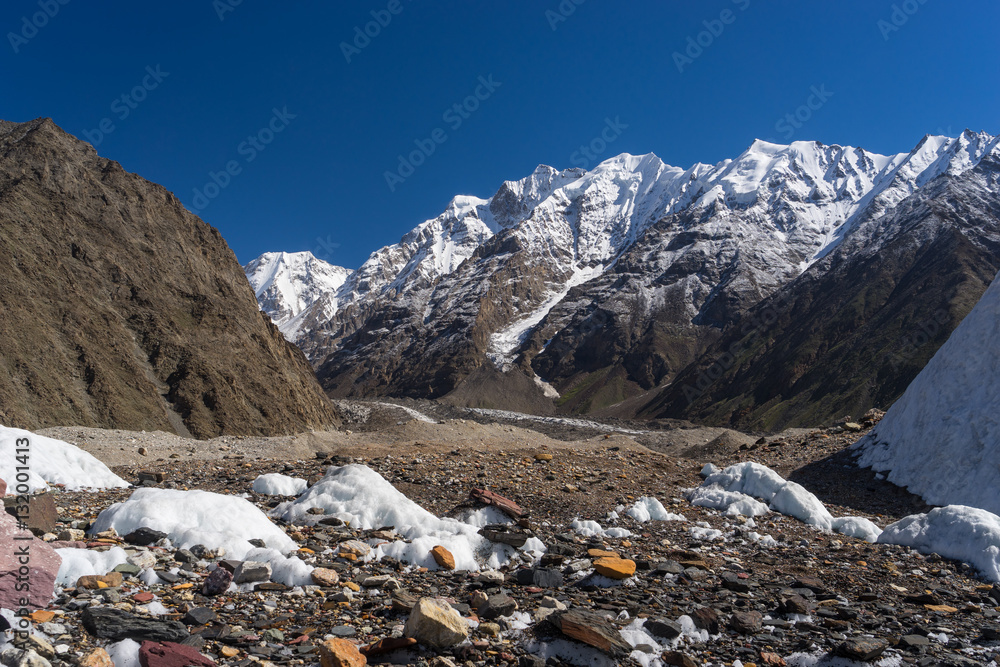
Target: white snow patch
(78, 563)
(587, 528)
(276, 484)
(729, 502)
(195, 517)
(650, 509)
(124, 653)
(962, 533)
(824, 659)
(365, 500)
(51, 461)
(753, 479)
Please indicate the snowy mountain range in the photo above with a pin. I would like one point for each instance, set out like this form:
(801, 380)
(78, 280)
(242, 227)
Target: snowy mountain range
(599, 285)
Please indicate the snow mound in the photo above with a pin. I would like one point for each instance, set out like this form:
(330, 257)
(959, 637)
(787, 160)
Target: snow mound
(364, 499)
(729, 502)
(958, 532)
(753, 479)
(195, 517)
(587, 528)
(276, 484)
(78, 563)
(124, 653)
(939, 440)
(650, 509)
(51, 462)
(290, 571)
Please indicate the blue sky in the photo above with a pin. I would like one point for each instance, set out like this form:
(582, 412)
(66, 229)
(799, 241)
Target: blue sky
(308, 127)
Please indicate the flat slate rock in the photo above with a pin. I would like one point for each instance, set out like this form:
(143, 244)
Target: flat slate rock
(592, 629)
(116, 624)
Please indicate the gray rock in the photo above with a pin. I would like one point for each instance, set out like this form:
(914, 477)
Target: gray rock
(116, 624)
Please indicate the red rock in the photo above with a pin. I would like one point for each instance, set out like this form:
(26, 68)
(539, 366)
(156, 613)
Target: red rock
(387, 645)
(3, 488)
(144, 597)
(170, 654)
(43, 565)
(506, 505)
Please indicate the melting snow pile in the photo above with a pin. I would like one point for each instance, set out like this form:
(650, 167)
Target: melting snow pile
(939, 440)
(365, 500)
(650, 509)
(196, 517)
(78, 563)
(587, 528)
(276, 484)
(731, 489)
(961, 533)
(51, 462)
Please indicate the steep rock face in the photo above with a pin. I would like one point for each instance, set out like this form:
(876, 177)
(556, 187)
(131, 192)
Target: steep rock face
(856, 328)
(123, 310)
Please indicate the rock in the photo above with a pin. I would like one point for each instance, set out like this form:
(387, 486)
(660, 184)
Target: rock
(340, 653)
(387, 645)
(478, 600)
(505, 505)
(864, 649)
(546, 577)
(771, 659)
(706, 618)
(913, 641)
(16, 657)
(593, 630)
(96, 581)
(795, 604)
(679, 659)
(435, 623)
(199, 616)
(171, 654)
(117, 624)
(615, 568)
(443, 557)
(543, 457)
(42, 568)
(96, 657)
(3, 488)
(498, 605)
(143, 537)
(39, 515)
(249, 572)
(385, 581)
(143, 559)
(403, 601)
(322, 576)
(852, 426)
(504, 535)
(217, 582)
(39, 646)
(663, 629)
(355, 548)
(746, 622)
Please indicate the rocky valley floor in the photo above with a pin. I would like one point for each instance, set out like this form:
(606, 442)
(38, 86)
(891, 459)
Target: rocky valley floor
(708, 589)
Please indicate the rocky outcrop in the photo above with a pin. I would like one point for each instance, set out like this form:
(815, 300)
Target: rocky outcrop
(123, 310)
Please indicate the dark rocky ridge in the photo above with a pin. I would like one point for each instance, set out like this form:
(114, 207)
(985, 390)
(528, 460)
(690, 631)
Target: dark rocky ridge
(121, 309)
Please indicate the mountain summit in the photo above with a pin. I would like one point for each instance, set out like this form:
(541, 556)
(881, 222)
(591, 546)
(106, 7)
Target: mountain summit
(602, 286)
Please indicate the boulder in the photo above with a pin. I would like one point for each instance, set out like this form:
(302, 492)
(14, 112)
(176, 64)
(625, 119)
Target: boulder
(340, 653)
(16, 657)
(217, 582)
(443, 557)
(170, 654)
(433, 622)
(593, 630)
(43, 566)
(614, 568)
(117, 624)
(322, 576)
(250, 571)
(39, 514)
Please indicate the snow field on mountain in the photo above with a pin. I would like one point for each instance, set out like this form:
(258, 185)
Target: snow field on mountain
(196, 517)
(361, 497)
(50, 461)
(732, 490)
(941, 439)
(958, 532)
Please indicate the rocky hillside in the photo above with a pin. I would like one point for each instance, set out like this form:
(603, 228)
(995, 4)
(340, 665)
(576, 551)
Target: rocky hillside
(123, 310)
(601, 287)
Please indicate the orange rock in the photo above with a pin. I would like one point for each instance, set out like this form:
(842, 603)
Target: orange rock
(443, 557)
(229, 651)
(772, 660)
(41, 616)
(615, 568)
(97, 657)
(340, 653)
(95, 581)
(601, 553)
